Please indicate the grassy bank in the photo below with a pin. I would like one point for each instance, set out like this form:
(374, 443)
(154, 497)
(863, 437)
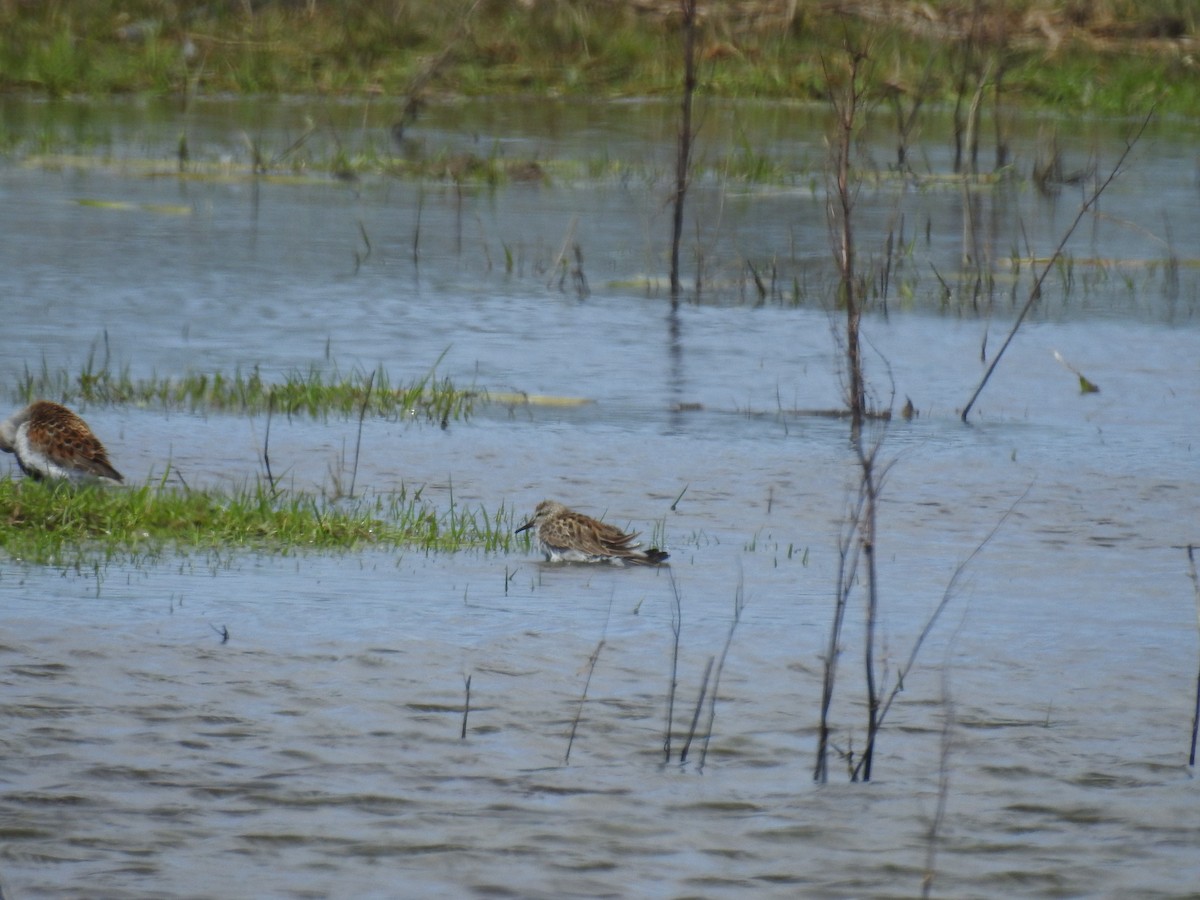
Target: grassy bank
(1106, 57)
(60, 524)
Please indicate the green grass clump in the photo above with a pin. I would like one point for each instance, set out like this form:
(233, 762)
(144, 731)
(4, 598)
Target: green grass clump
(314, 393)
(62, 524)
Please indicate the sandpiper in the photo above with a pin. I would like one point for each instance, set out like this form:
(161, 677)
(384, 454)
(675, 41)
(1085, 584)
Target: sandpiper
(50, 441)
(567, 536)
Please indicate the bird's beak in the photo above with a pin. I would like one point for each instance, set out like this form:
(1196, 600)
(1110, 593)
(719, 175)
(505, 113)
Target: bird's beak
(527, 525)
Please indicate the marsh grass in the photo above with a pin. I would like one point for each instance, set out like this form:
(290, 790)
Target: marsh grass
(58, 523)
(1103, 57)
(314, 392)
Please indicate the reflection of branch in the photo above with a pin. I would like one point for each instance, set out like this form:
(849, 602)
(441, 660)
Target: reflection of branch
(1035, 292)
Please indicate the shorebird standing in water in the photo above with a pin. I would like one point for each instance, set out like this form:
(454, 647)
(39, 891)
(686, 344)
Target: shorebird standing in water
(567, 536)
(50, 441)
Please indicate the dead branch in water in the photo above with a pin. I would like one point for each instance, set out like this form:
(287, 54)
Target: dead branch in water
(739, 603)
(676, 627)
(846, 105)
(591, 667)
(848, 550)
(696, 712)
(863, 765)
(1035, 292)
(466, 708)
(683, 158)
(1196, 714)
(871, 482)
(858, 543)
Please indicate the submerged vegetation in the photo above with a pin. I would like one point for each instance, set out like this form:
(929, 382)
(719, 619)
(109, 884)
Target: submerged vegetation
(1107, 57)
(58, 523)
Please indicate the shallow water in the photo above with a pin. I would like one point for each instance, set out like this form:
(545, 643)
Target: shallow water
(317, 750)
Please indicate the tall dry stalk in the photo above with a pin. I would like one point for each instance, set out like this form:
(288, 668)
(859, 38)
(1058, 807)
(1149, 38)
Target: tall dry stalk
(846, 103)
(683, 156)
(687, 743)
(846, 96)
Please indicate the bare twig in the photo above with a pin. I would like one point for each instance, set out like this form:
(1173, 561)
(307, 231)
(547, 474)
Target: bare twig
(587, 681)
(947, 596)
(676, 627)
(675, 504)
(866, 537)
(696, 712)
(848, 550)
(1035, 292)
(309, 131)
(739, 603)
(840, 208)
(1196, 715)
(466, 707)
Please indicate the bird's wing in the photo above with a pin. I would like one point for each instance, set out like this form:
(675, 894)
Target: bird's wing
(68, 442)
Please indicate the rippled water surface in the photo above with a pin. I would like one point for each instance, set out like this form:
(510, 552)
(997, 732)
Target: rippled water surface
(319, 749)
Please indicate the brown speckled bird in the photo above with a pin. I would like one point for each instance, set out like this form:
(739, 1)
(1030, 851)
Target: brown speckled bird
(567, 536)
(50, 441)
